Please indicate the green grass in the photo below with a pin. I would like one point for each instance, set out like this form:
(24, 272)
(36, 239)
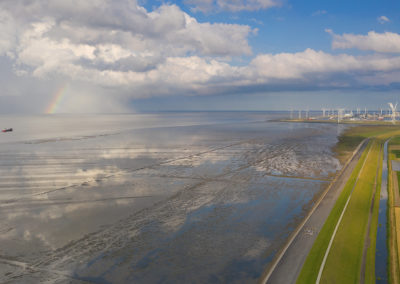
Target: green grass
(392, 238)
(314, 259)
(369, 130)
(343, 264)
(395, 141)
(351, 122)
(346, 145)
(398, 178)
(396, 153)
(371, 252)
(351, 137)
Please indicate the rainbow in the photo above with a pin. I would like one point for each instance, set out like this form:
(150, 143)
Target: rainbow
(57, 99)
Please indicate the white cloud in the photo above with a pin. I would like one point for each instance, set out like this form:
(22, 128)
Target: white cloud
(231, 5)
(319, 13)
(110, 53)
(8, 31)
(247, 5)
(319, 68)
(113, 53)
(166, 30)
(196, 75)
(299, 65)
(383, 19)
(387, 42)
(71, 39)
(200, 5)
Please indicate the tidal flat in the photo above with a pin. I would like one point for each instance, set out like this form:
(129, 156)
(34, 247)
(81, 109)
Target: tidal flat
(172, 198)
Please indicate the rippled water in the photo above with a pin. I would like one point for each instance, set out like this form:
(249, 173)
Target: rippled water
(176, 197)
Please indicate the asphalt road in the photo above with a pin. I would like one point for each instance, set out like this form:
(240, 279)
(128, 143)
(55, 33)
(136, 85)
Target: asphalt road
(289, 265)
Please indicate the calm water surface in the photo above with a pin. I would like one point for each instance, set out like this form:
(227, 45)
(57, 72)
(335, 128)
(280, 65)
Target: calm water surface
(172, 198)
(381, 263)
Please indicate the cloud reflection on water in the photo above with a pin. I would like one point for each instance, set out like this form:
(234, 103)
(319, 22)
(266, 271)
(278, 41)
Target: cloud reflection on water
(154, 204)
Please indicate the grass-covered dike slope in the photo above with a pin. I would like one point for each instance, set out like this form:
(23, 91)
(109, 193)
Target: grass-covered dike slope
(345, 259)
(352, 137)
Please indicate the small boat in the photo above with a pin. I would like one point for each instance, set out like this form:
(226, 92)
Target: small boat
(7, 130)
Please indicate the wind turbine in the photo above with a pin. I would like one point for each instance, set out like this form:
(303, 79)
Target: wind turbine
(393, 108)
(339, 114)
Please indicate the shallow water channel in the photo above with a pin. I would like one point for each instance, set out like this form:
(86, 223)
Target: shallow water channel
(381, 256)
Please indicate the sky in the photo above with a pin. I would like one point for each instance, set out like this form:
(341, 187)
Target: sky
(119, 56)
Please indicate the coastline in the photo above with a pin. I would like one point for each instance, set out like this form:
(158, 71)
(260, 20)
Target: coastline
(292, 256)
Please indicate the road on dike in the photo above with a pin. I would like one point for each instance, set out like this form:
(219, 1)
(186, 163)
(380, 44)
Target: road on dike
(289, 261)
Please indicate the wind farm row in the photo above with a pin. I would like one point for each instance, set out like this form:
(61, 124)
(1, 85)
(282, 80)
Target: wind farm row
(344, 114)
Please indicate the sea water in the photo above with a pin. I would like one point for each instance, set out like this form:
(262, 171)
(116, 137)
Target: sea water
(163, 197)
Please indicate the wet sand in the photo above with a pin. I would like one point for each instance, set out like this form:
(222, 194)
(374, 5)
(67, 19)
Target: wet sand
(192, 203)
(287, 266)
